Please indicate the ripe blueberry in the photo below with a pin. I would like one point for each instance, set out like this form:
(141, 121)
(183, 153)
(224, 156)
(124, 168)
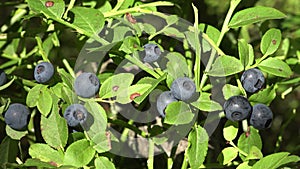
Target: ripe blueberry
(261, 117)
(163, 100)
(252, 80)
(17, 116)
(237, 108)
(183, 88)
(43, 72)
(152, 53)
(2, 77)
(86, 85)
(75, 114)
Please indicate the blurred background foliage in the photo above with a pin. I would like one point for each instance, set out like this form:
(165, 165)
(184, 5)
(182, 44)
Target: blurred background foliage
(285, 132)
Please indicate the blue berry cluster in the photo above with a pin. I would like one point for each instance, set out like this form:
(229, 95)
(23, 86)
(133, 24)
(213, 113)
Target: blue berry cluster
(238, 108)
(182, 88)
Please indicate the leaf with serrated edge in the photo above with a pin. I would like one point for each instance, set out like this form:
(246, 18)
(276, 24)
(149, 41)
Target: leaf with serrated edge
(198, 146)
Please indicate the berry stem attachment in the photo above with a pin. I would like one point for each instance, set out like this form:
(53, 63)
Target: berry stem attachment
(245, 126)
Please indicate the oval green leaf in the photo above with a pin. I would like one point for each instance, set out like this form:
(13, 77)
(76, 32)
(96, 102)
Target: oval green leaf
(227, 155)
(178, 113)
(79, 153)
(253, 15)
(276, 67)
(230, 130)
(270, 41)
(225, 66)
(198, 146)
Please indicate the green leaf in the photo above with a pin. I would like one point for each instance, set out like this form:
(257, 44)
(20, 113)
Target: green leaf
(254, 153)
(204, 103)
(171, 19)
(227, 155)
(114, 84)
(151, 81)
(97, 121)
(54, 129)
(276, 67)
(55, 11)
(128, 95)
(88, 20)
(178, 113)
(243, 52)
(225, 66)
(8, 151)
(245, 143)
(230, 130)
(172, 32)
(265, 96)
(197, 148)
(274, 161)
(6, 85)
(212, 32)
(14, 134)
(38, 163)
(148, 28)
(270, 41)
(130, 44)
(44, 104)
(177, 66)
(253, 15)
(102, 142)
(45, 153)
(66, 78)
(79, 153)
(68, 95)
(230, 90)
(244, 165)
(33, 95)
(103, 163)
(205, 46)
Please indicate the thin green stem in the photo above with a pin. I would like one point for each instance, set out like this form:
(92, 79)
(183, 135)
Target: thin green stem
(70, 6)
(118, 5)
(241, 151)
(258, 61)
(225, 28)
(41, 50)
(170, 163)
(68, 67)
(197, 67)
(150, 161)
(185, 161)
(126, 131)
(142, 66)
(139, 9)
(240, 86)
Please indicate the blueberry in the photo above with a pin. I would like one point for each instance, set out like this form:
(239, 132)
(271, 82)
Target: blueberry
(183, 88)
(261, 117)
(17, 116)
(43, 72)
(252, 80)
(86, 85)
(152, 52)
(163, 100)
(237, 108)
(2, 77)
(75, 114)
